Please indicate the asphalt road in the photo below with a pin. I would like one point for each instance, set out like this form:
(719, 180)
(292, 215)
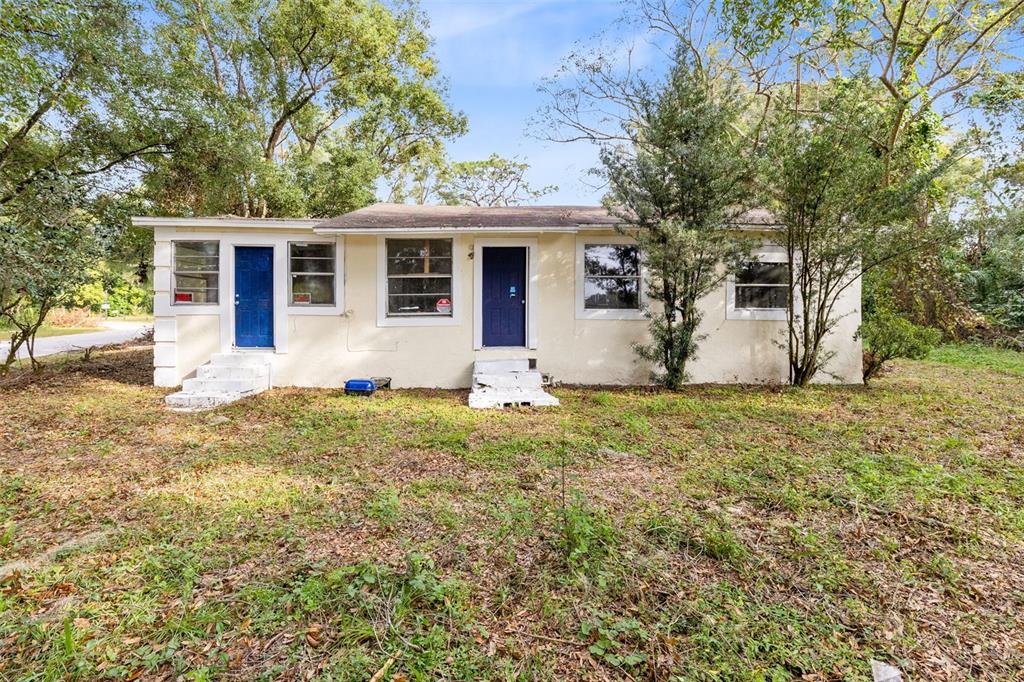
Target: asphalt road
(117, 331)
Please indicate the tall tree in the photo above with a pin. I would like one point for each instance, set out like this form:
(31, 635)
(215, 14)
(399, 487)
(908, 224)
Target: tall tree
(684, 177)
(929, 57)
(823, 178)
(494, 181)
(296, 91)
(49, 242)
(79, 96)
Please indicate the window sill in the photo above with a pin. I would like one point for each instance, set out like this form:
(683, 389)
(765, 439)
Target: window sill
(312, 310)
(425, 321)
(755, 314)
(194, 308)
(610, 314)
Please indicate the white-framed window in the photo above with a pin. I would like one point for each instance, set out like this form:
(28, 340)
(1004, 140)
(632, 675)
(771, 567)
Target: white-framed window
(760, 289)
(195, 272)
(312, 272)
(609, 279)
(419, 277)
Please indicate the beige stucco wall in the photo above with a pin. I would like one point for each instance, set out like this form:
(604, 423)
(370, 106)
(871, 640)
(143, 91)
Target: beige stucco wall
(326, 349)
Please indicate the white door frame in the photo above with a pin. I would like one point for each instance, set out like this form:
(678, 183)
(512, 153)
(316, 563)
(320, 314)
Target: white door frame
(532, 280)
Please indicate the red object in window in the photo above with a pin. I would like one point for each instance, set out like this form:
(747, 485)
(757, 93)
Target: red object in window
(182, 296)
(444, 306)
(302, 298)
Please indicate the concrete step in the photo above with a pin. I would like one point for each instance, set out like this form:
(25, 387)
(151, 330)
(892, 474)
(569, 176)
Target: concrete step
(491, 398)
(528, 379)
(240, 359)
(209, 371)
(499, 366)
(184, 401)
(225, 385)
(226, 378)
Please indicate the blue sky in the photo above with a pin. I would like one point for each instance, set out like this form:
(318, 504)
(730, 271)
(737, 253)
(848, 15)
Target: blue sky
(494, 54)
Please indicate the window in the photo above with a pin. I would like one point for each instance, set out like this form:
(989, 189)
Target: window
(311, 267)
(611, 277)
(196, 273)
(419, 277)
(762, 286)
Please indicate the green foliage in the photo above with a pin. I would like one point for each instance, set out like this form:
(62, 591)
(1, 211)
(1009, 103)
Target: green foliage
(617, 642)
(685, 175)
(841, 214)
(384, 507)
(887, 336)
(77, 96)
(118, 289)
(307, 103)
(992, 274)
(49, 241)
(586, 533)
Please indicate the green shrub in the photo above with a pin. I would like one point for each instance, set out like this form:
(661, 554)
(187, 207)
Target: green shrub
(116, 288)
(887, 335)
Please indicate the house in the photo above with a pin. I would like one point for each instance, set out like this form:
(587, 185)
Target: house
(422, 293)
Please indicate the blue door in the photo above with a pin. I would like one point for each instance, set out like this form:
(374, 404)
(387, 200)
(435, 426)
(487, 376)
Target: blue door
(504, 296)
(254, 297)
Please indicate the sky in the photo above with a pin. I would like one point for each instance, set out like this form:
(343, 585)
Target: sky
(494, 54)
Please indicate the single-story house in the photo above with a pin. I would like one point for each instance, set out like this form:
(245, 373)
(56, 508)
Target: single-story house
(421, 293)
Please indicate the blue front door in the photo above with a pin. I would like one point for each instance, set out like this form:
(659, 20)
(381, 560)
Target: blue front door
(504, 296)
(254, 297)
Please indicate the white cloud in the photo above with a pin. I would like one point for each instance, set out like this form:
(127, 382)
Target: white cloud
(455, 18)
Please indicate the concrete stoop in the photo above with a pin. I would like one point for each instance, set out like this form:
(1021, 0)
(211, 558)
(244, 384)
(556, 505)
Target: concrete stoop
(508, 383)
(227, 377)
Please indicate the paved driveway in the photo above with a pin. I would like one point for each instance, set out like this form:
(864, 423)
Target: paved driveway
(117, 331)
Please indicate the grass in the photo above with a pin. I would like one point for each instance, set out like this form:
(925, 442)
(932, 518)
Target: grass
(716, 533)
(975, 355)
(47, 330)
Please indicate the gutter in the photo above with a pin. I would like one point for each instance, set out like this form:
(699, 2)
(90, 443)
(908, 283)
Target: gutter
(293, 223)
(458, 230)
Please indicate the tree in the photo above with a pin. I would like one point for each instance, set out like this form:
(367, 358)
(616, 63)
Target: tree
(888, 336)
(927, 57)
(824, 178)
(495, 181)
(78, 94)
(49, 242)
(298, 94)
(684, 177)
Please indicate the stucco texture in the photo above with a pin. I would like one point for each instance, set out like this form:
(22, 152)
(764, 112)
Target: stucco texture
(326, 348)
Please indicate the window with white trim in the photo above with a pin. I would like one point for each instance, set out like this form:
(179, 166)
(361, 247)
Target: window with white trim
(311, 269)
(611, 277)
(196, 273)
(762, 286)
(419, 277)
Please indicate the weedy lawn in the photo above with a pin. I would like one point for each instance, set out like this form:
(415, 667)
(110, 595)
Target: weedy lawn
(717, 533)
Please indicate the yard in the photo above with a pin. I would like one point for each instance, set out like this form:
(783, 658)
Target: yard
(717, 533)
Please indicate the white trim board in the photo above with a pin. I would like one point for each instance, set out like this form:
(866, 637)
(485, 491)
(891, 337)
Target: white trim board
(214, 223)
(766, 253)
(532, 281)
(582, 313)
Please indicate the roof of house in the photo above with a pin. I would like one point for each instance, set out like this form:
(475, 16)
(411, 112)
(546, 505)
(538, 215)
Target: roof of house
(415, 217)
(412, 216)
(405, 217)
(223, 221)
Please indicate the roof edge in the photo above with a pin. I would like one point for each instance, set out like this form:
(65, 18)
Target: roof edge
(215, 221)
